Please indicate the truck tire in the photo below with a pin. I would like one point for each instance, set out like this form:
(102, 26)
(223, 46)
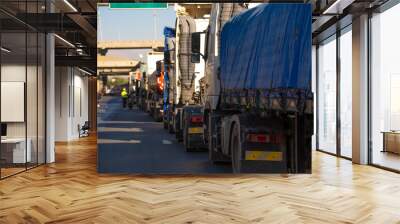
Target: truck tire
(213, 156)
(165, 124)
(185, 136)
(171, 123)
(170, 128)
(236, 149)
(177, 125)
(157, 115)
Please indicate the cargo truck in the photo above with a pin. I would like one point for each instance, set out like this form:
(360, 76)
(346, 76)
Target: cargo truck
(144, 93)
(258, 107)
(185, 116)
(155, 92)
(169, 81)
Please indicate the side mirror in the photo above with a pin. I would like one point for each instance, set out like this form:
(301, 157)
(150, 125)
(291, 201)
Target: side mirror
(196, 52)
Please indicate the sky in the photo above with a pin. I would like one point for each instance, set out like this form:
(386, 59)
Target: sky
(133, 24)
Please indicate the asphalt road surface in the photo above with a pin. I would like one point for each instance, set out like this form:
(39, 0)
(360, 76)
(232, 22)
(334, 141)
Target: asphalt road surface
(130, 141)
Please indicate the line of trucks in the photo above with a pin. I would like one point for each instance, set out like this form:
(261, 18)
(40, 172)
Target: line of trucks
(235, 79)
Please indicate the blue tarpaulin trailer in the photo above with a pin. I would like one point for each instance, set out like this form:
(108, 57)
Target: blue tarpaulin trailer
(263, 121)
(266, 53)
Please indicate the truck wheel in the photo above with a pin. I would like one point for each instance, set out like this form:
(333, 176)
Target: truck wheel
(171, 124)
(165, 124)
(185, 139)
(178, 135)
(212, 154)
(236, 149)
(178, 131)
(157, 115)
(170, 127)
(185, 134)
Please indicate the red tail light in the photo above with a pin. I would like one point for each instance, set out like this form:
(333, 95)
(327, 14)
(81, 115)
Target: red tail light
(197, 119)
(265, 138)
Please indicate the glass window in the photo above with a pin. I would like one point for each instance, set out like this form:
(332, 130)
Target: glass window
(32, 97)
(346, 93)
(385, 88)
(14, 153)
(314, 90)
(22, 90)
(327, 96)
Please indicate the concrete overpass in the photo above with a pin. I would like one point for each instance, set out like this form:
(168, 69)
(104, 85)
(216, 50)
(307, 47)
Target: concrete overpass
(112, 65)
(104, 46)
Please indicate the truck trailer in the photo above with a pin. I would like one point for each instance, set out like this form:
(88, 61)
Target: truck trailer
(169, 77)
(144, 93)
(184, 114)
(258, 107)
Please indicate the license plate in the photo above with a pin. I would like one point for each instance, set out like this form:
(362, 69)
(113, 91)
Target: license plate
(197, 130)
(263, 155)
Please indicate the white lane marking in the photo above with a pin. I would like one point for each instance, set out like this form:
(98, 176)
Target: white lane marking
(166, 142)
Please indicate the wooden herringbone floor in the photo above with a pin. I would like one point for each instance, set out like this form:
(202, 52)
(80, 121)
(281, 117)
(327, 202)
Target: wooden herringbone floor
(70, 191)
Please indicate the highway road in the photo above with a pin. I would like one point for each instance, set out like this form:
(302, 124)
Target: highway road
(130, 141)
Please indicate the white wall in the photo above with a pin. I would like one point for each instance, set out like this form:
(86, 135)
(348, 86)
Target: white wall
(80, 112)
(14, 73)
(62, 82)
(71, 102)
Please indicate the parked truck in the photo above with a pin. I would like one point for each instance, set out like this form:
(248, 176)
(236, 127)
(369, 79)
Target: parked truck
(169, 67)
(144, 92)
(155, 92)
(184, 114)
(258, 105)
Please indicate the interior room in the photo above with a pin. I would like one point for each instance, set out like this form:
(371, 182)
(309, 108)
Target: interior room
(22, 97)
(44, 96)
